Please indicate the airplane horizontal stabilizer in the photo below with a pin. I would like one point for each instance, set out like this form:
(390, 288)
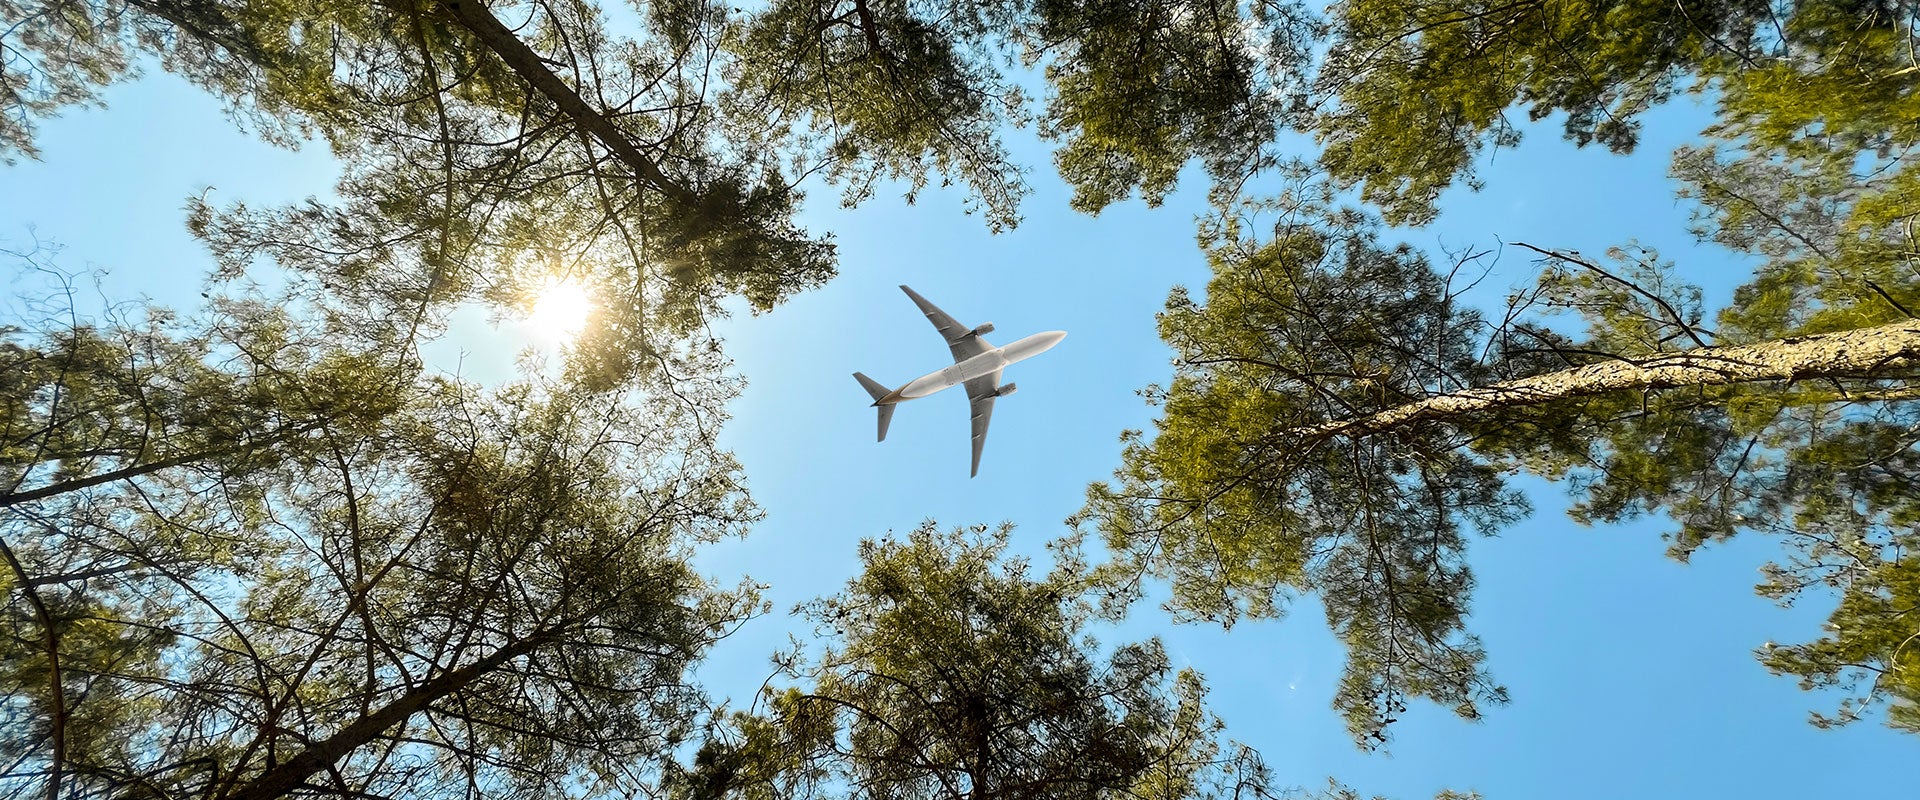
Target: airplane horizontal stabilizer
(879, 393)
(873, 387)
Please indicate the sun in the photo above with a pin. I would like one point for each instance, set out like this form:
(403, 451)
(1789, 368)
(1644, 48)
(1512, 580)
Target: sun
(561, 310)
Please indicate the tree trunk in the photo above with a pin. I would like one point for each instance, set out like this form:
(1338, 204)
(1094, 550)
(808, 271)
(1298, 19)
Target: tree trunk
(56, 691)
(474, 16)
(1881, 351)
(292, 773)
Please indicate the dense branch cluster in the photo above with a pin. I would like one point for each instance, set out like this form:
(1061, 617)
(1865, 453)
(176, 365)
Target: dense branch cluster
(358, 591)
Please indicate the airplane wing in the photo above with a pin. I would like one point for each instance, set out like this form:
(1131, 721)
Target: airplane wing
(962, 345)
(981, 392)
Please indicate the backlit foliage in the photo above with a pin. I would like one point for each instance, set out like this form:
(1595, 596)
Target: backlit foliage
(948, 672)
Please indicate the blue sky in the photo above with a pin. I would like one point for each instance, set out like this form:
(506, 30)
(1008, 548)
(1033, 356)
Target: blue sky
(1631, 675)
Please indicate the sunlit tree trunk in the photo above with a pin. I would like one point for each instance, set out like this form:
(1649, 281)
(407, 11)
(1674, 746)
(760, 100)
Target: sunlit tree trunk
(1883, 351)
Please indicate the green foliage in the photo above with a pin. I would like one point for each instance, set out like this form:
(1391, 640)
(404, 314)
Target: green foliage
(1416, 90)
(1829, 473)
(1239, 510)
(1839, 77)
(899, 89)
(949, 673)
(1421, 87)
(1280, 443)
(1812, 168)
(226, 395)
(883, 90)
(1635, 306)
(474, 167)
(1140, 89)
(238, 537)
(78, 54)
(1403, 95)
(1814, 173)
(1869, 646)
(1825, 465)
(1834, 257)
(390, 585)
(1290, 437)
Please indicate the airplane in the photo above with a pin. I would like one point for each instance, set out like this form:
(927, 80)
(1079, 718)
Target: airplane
(976, 363)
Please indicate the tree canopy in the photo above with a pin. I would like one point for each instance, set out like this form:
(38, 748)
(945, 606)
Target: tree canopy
(255, 550)
(478, 161)
(1338, 418)
(445, 591)
(947, 672)
(699, 107)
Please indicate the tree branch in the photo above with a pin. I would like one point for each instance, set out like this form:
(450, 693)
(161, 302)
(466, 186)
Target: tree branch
(1672, 313)
(56, 693)
(487, 29)
(292, 773)
(1860, 353)
(9, 499)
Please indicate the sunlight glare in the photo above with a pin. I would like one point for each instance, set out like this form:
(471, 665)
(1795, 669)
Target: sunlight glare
(561, 311)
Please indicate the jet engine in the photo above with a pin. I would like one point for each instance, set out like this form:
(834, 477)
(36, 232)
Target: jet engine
(985, 328)
(1004, 391)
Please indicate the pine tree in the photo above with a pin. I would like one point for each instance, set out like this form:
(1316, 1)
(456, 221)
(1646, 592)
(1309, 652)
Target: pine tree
(251, 555)
(948, 672)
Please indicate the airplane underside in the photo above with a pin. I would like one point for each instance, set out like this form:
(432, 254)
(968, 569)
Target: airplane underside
(977, 365)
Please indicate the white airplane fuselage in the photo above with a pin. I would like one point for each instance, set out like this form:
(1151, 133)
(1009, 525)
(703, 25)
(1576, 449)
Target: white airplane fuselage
(981, 365)
(976, 365)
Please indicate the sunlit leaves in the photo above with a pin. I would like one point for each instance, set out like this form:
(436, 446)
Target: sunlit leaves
(1141, 89)
(459, 172)
(1240, 510)
(1417, 89)
(1869, 648)
(883, 90)
(948, 672)
(310, 566)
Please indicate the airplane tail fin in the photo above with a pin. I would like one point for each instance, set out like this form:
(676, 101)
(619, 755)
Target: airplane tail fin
(878, 391)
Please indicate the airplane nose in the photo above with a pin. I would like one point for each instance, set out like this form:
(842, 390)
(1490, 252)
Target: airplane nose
(1045, 341)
